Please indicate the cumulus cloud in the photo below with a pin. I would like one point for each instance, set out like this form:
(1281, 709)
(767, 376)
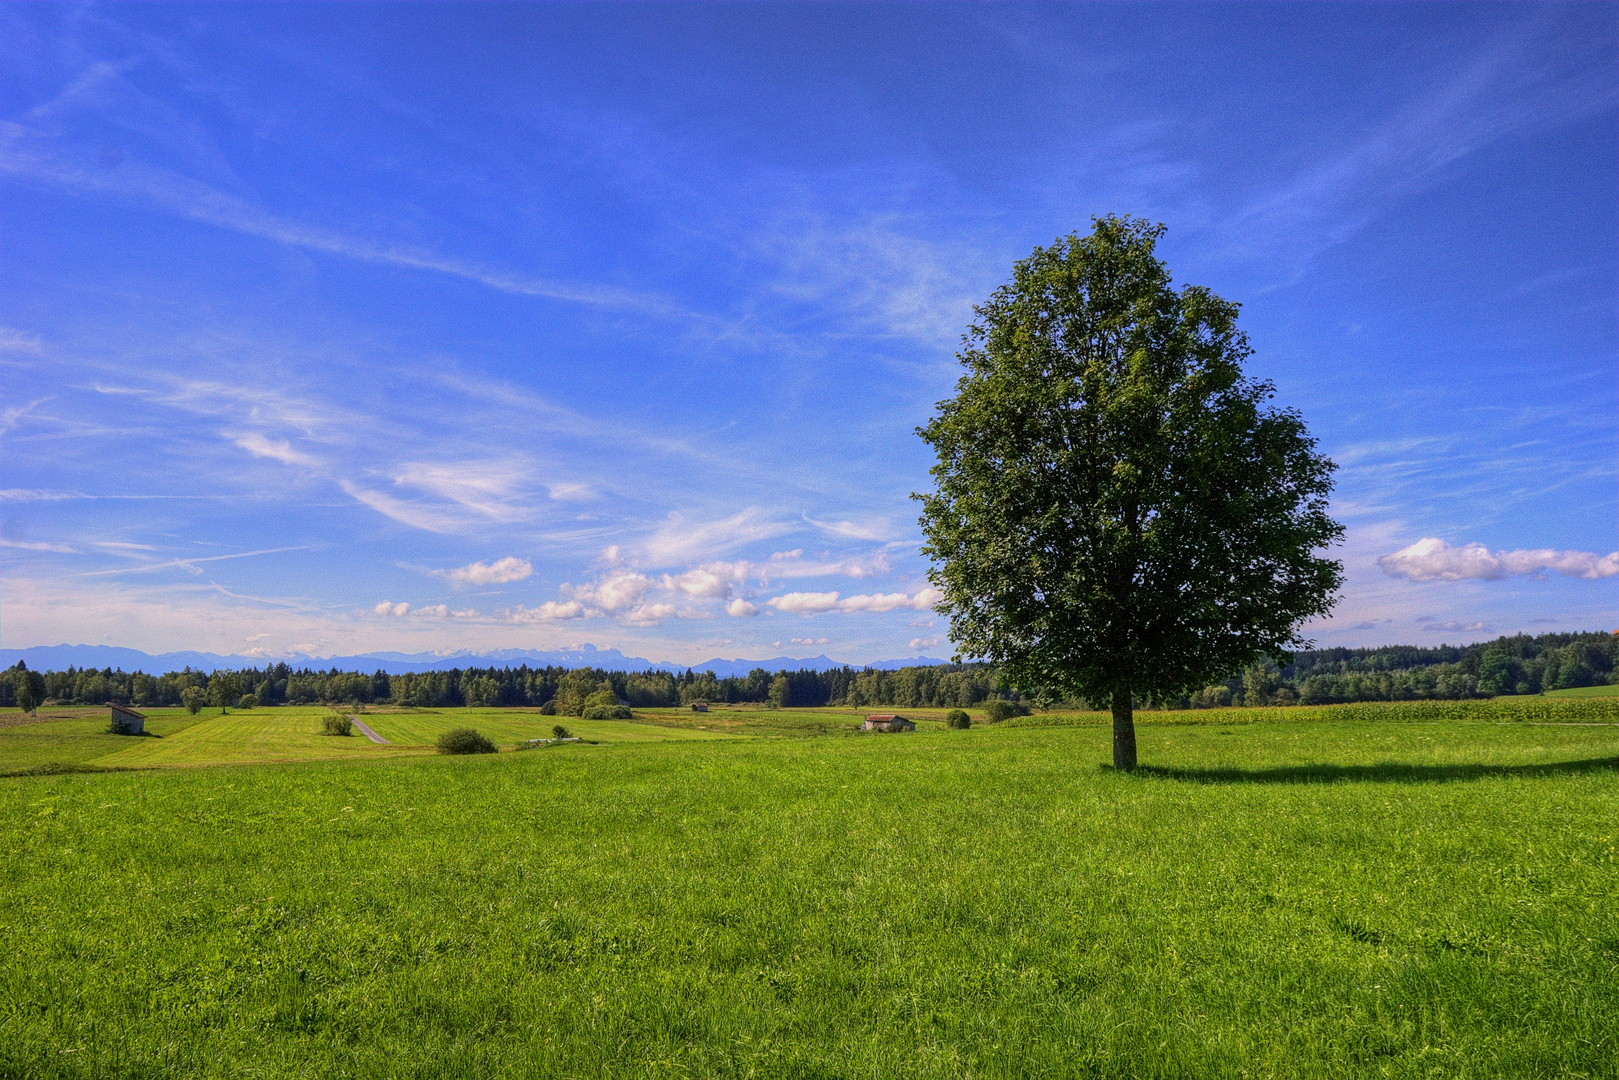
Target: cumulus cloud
(805, 603)
(617, 590)
(812, 603)
(550, 611)
(924, 642)
(810, 641)
(385, 608)
(650, 614)
(499, 572)
(1431, 559)
(621, 591)
(890, 601)
(710, 581)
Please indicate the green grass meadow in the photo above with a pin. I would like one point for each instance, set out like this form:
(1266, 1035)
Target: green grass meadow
(1610, 690)
(766, 894)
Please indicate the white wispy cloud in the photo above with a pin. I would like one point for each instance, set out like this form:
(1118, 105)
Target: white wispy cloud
(13, 340)
(681, 540)
(1505, 88)
(1431, 559)
(281, 450)
(39, 545)
(11, 414)
(740, 609)
(1429, 623)
(385, 608)
(417, 515)
(38, 495)
(34, 155)
(870, 529)
(485, 487)
(190, 563)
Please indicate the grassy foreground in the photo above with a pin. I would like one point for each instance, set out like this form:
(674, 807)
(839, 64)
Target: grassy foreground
(1344, 899)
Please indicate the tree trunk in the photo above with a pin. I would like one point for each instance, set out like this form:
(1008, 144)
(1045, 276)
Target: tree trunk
(1124, 731)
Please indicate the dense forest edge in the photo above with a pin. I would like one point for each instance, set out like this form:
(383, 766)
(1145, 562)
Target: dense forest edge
(1508, 665)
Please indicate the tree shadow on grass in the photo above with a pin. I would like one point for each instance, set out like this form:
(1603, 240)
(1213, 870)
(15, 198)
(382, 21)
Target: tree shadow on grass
(1382, 772)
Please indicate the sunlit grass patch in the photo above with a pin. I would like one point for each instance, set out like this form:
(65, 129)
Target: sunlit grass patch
(1270, 899)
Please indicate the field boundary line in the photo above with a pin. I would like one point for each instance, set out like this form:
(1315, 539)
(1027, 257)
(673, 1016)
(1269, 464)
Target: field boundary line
(365, 730)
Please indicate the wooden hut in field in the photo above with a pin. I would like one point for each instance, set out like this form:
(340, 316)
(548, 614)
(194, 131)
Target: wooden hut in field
(127, 721)
(699, 706)
(887, 722)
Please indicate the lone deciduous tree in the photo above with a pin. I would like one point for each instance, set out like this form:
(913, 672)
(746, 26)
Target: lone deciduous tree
(1118, 512)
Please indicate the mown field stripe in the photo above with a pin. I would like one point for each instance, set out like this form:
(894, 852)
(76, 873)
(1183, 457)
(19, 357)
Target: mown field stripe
(366, 731)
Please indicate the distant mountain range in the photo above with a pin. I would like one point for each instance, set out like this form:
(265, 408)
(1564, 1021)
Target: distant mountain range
(61, 657)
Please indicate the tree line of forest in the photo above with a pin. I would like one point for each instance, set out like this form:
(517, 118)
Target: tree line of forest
(556, 689)
(1509, 665)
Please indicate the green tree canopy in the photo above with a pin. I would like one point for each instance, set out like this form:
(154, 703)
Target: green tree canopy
(1117, 511)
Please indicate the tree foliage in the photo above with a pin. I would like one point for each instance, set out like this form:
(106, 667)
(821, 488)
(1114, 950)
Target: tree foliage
(1118, 512)
(1507, 665)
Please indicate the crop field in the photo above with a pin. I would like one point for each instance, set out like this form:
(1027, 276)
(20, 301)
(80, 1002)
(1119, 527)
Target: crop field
(1316, 898)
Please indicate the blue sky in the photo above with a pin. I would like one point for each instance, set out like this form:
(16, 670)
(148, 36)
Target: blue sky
(327, 329)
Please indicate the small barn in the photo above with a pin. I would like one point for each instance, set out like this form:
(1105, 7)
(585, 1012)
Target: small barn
(699, 706)
(128, 721)
(887, 722)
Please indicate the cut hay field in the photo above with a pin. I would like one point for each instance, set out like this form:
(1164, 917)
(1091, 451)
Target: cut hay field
(79, 737)
(1307, 899)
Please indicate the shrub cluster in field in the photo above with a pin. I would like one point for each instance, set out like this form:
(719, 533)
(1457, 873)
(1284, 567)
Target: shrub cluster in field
(464, 740)
(1000, 711)
(336, 724)
(958, 718)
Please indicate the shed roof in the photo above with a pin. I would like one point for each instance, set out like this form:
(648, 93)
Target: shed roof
(126, 711)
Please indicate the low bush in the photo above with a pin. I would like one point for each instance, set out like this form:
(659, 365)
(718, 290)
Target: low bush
(560, 732)
(549, 708)
(1004, 710)
(247, 702)
(464, 740)
(607, 712)
(336, 724)
(958, 718)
